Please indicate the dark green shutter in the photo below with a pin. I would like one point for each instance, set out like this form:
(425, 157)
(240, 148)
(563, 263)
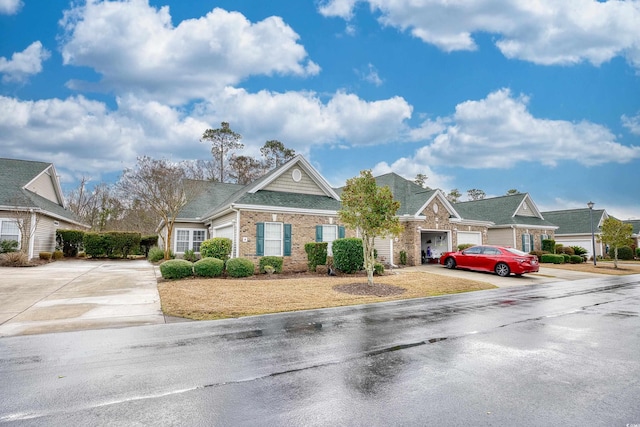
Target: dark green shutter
(318, 233)
(524, 242)
(260, 238)
(341, 232)
(287, 239)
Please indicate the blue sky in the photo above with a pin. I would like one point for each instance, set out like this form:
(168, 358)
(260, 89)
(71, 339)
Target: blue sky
(543, 96)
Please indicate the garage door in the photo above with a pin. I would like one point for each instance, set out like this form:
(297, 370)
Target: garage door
(471, 237)
(224, 232)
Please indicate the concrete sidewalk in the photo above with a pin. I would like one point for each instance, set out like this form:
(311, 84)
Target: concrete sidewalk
(72, 295)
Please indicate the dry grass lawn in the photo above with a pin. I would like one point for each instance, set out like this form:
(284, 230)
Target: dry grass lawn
(204, 299)
(601, 267)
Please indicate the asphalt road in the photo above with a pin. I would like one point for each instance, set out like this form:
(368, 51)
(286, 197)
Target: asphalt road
(542, 355)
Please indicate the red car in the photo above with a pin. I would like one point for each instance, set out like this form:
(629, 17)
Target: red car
(503, 261)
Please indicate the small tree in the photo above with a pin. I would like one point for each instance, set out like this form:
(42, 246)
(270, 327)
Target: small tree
(222, 141)
(161, 185)
(616, 234)
(371, 210)
(26, 219)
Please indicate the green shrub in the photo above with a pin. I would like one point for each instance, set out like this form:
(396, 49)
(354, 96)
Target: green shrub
(538, 253)
(316, 254)
(44, 255)
(190, 255)
(176, 269)
(58, 255)
(208, 267)
(403, 257)
(568, 250)
(8, 246)
(70, 241)
(240, 267)
(558, 248)
(218, 247)
(576, 259)
(122, 243)
(637, 252)
(147, 242)
(552, 259)
(567, 257)
(95, 244)
(155, 254)
(348, 254)
(549, 245)
(378, 269)
(579, 250)
(273, 261)
(463, 246)
(624, 253)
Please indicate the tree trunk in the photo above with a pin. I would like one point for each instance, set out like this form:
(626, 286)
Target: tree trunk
(167, 242)
(615, 257)
(369, 262)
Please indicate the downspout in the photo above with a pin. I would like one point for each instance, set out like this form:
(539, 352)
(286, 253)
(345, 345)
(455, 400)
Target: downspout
(391, 263)
(32, 232)
(515, 244)
(236, 231)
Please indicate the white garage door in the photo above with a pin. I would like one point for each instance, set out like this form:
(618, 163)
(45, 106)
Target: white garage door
(224, 232)
(472, 237)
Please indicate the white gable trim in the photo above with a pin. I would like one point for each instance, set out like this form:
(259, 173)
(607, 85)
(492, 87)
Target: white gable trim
(531, 204)
(304, 164)
(440, 196)
(51, 172)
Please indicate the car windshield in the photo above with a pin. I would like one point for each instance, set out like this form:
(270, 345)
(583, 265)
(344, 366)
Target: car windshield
(516, 252)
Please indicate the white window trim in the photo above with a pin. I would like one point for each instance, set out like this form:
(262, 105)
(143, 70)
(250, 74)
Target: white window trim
(281, 238)
(16, 220)
(330, 243)
(191, 233)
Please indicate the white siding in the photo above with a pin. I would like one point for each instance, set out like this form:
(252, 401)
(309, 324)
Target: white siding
(525, 210)
(44, 187)
(45, 236)
(383, 246)
(285, 183)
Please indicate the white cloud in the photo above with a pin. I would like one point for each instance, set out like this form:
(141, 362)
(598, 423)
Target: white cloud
(544, 32)
(136, 48)
(632, 123)
(409, 169)
(23, 64)
(500, 132)
(10, 7)
(370, 75)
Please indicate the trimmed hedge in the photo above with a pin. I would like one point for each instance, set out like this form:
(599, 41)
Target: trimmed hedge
(548, 245)
(58, 255)
(316, 254)
(576, 259)
(638, 252)
(240, 267)
(70, 241)
(624, 253)
(273, 261)
(113, 244)
(552, 259)
(218, 247)
(378, 269)
(147, 242)
(176, 269)
(463, 246)
(44, 255)
(348, 255)
(208, 267)
(155, 254)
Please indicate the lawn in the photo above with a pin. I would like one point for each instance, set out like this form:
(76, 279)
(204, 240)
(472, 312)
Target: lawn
(601, 267)
(204, 299)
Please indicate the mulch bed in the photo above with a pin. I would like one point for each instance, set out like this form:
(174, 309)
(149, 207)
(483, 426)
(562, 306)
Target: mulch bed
(377, 289)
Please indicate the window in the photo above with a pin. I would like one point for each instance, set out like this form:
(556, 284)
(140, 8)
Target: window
(189, 239)
(329, 233)
(273, 239)
(9, 230)
(527, 243)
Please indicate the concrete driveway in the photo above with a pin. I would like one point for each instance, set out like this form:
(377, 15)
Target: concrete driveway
(78, 294)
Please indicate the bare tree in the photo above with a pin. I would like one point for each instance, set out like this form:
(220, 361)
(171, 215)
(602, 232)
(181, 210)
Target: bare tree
(26, 220)
(244, 169)
(222, 141)
(163, 187)
(276, 154)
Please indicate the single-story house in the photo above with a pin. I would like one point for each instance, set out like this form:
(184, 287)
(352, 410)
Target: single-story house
(635, 223)
(574, 228)
(516, 221)
(32, 205)
(293, 205)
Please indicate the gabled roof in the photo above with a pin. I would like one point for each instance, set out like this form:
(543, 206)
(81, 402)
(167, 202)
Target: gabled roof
(576, 221)
(636, 225)
(15, 178)
(411, 196)
(503, 211)
(217, 198)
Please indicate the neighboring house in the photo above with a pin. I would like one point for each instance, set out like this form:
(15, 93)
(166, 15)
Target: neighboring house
(636, 232)
(516, 221)
(574, 228)
(31, 199)
(274, 215)
(431, 224)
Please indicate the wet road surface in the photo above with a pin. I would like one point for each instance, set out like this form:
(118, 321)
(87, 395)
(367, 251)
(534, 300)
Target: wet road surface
(552, 354)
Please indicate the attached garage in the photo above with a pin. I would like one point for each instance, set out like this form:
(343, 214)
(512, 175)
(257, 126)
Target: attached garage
(469, 237)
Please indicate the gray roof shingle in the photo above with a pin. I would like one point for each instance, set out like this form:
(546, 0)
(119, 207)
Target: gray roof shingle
(500, 211)
(574, 221)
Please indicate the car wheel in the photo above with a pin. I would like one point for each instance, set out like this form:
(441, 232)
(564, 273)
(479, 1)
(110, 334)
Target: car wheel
(450, 263)
(502, 269)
